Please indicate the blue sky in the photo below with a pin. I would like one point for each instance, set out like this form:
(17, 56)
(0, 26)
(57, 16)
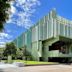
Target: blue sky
(25, 13)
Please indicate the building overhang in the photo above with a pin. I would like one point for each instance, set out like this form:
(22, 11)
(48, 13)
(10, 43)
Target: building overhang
(65, 39)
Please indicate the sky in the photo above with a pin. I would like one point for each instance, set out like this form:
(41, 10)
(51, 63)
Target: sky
(26, 13)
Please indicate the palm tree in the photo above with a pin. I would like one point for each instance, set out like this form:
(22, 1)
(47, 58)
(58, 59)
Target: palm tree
(4, 12)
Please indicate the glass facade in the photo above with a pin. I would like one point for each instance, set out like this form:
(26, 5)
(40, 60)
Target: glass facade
(20, 41)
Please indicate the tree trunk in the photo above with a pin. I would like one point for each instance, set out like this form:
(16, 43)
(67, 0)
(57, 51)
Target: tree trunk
(9, 59)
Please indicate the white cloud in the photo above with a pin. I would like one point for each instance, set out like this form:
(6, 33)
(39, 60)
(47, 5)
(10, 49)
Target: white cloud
(23, 16)
(4, 37)
(2, 44)
(21, 13)
(9, 21)
(13, 9)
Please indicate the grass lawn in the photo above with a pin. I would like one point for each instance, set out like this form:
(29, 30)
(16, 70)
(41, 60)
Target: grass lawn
(33, 62)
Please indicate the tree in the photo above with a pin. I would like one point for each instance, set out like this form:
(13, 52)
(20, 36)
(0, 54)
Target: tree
(4, 12)
(10, 49)
(26, 54)
(19, 53)
(1, 53)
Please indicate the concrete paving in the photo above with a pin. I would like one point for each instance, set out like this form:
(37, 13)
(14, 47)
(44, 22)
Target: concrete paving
(4, 67)
(47, 68)
(50, 68)
(12, 70)
(14, 67)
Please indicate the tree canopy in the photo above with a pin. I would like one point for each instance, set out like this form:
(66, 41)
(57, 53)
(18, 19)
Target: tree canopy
(10, 49)
(4, 12)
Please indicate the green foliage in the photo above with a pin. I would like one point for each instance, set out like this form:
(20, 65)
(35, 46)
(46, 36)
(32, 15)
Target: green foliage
(25, 51)
(4, 12)
(1, 53)
(22, 52)
(10, 49)
(19, 53)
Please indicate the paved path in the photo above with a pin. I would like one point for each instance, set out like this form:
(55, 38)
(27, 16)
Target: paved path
(49, 68)
(12, 70)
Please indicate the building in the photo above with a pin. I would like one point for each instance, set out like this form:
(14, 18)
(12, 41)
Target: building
(49, 40)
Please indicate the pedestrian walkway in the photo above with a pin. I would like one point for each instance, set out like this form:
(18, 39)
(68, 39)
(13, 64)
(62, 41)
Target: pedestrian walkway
(49, 68)
(2, 66)
(9, 68)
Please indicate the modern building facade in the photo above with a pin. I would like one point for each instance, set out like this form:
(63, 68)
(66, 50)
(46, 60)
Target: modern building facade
(49, 40)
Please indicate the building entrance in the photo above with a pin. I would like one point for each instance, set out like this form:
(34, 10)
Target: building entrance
(61, 46)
